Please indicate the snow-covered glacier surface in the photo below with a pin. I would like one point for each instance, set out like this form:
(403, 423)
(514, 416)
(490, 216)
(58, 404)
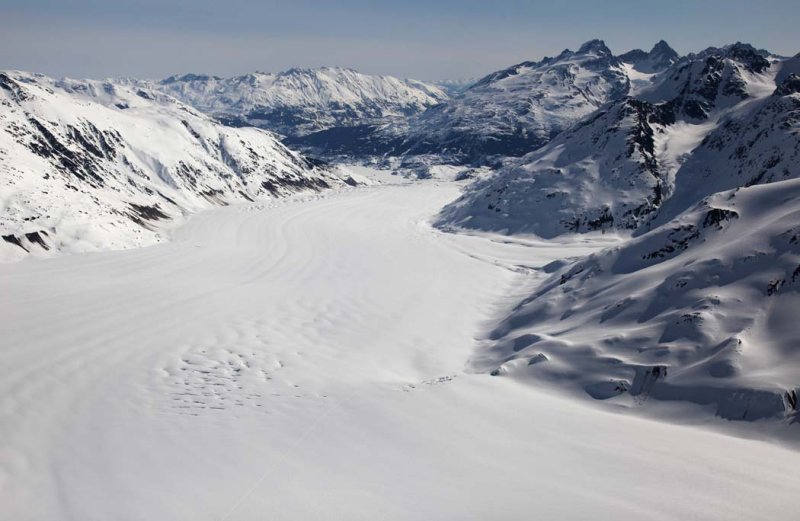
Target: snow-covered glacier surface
(308, 358)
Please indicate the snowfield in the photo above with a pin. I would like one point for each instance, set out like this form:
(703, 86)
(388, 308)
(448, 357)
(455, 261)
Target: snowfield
(318, 357)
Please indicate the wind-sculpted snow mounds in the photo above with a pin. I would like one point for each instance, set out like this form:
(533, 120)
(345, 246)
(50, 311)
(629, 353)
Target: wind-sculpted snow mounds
(700, 309)
(88, 165)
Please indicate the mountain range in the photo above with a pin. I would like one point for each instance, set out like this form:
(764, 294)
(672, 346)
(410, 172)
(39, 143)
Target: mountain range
(506, 113)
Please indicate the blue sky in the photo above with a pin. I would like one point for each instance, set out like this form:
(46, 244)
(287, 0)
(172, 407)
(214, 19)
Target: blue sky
(415, 38)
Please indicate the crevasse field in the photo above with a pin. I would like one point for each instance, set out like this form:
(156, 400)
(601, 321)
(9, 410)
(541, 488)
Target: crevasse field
(311, 358)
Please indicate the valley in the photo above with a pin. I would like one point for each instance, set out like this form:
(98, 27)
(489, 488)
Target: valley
(566, 289)
(322, 346)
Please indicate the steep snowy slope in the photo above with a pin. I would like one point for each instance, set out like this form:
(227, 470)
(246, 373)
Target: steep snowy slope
(699, 305)
(758, 144)
(298, 101)
(714, 79)
(700, 309)
(88, 165)
(600, 174)
(617, 166)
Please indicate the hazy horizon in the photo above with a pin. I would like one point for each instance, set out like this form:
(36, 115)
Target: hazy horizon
(447, 40)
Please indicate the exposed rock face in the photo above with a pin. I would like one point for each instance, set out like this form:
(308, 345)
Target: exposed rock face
(660, 58)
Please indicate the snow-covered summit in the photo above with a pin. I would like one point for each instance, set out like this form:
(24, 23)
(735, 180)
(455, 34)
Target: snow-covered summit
(714, 79)
(660, 57)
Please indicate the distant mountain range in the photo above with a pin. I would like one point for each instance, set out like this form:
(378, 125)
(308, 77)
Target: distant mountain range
(507, 113)
(299, 101)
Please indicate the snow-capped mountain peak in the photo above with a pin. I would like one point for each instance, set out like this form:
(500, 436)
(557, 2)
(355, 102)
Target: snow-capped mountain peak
(660, 58)
(597, 47)
(508, 112)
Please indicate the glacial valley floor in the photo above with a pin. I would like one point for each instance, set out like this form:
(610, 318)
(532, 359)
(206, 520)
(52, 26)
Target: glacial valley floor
(309, 359)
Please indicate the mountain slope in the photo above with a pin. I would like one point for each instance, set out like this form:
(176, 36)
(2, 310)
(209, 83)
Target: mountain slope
(714, 79)
(90, 165)
(299, 101)
(615, 168)
(700, 309)
(601, 174)
(758, 144)
(513, 111)
(698, 305)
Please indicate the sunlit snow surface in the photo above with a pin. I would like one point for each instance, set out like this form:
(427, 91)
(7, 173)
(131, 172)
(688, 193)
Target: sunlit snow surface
(313, 358)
